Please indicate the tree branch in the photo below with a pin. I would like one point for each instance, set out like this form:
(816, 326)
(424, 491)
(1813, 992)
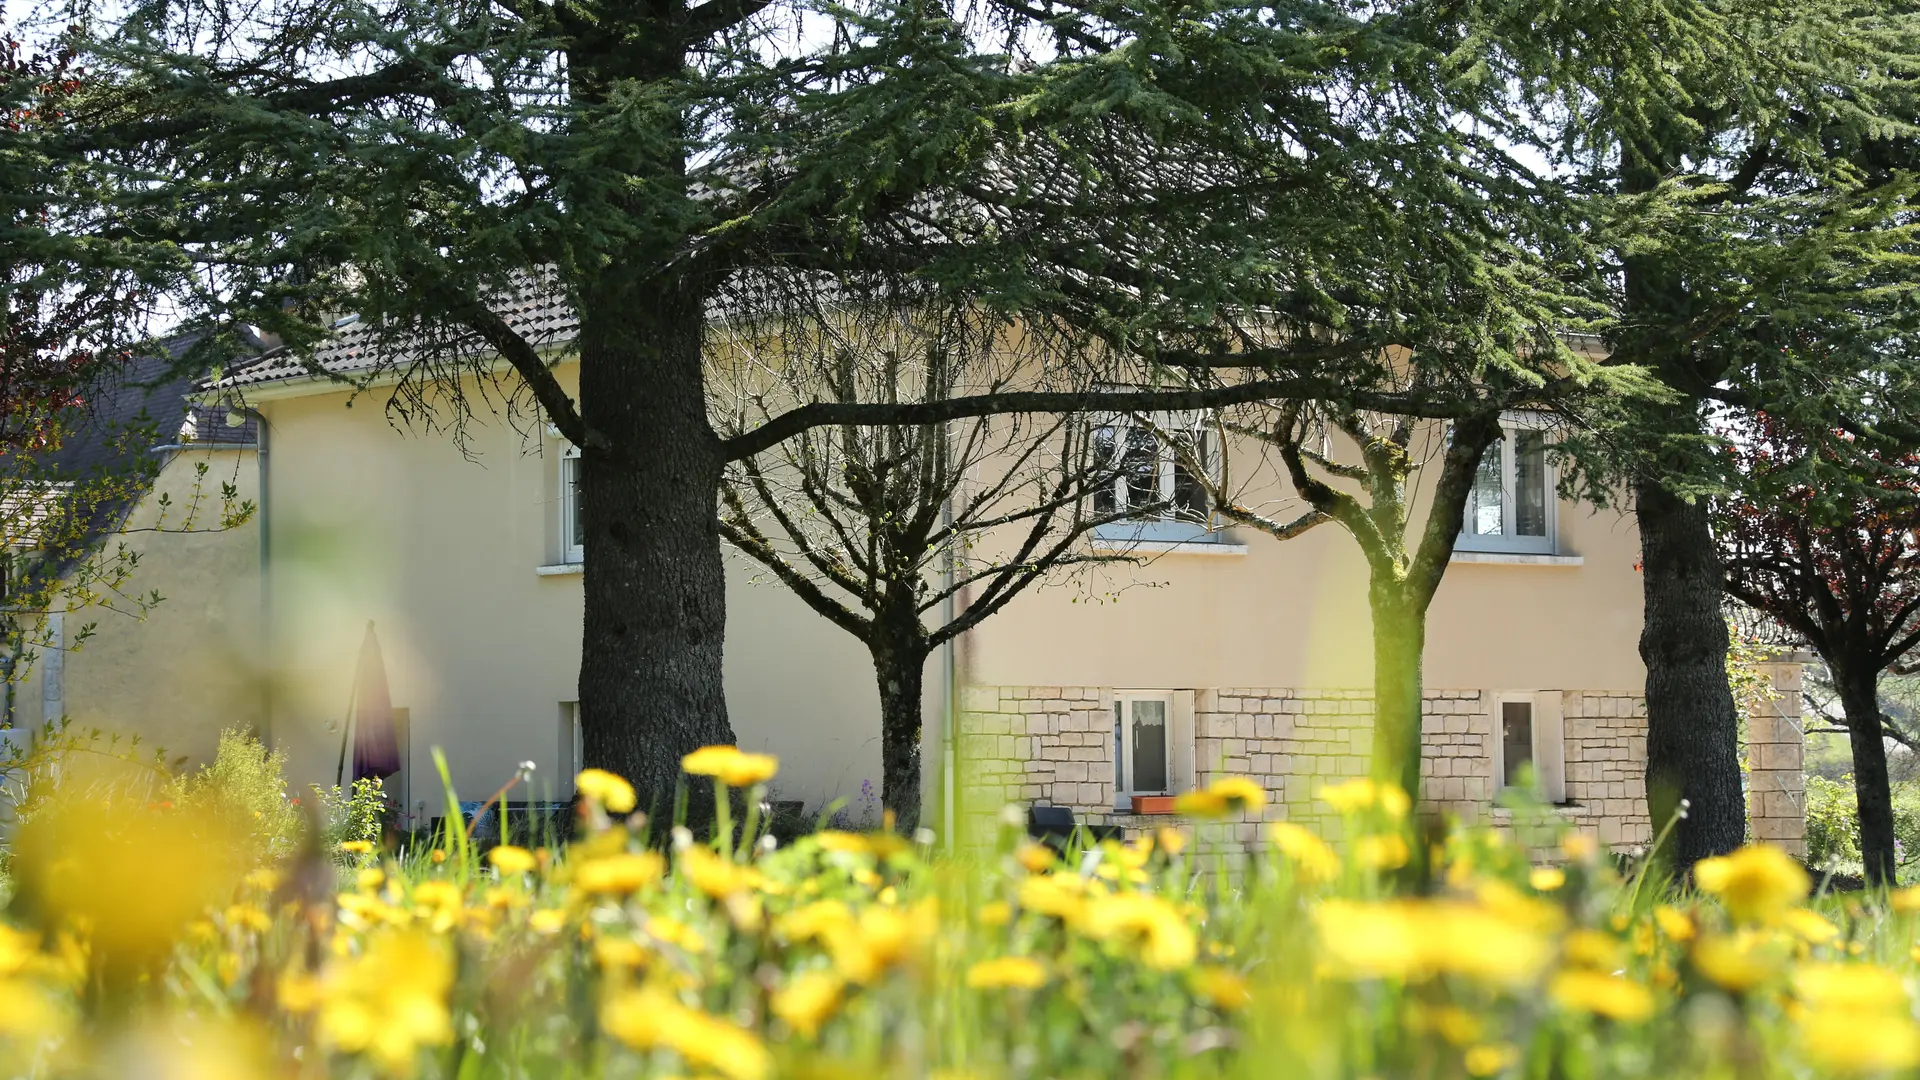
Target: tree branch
(817, 414)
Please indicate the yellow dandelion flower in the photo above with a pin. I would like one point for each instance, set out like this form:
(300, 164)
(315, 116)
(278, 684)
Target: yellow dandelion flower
(644, 1019)
(1592, 949)
(716, 875)
(731, 765)
(248, 917)
(1036, 858)
(1417, 939)
(1580, 847)
(439, 856)
(995, 913)
(1809, 926)
(356, 847)
(1603, 995)
(1456, 1025)
(1007, 973)
(1733, 964)
(1905, 901)
(1361, 793)
(1546, 878)
(370, 879)
(808, 1001)
(389, 1002)
(1220, 987)
(1847, 1041)
(844, 843)
(1755, 883)
(1062, 896)
(1488, 1059)
(1676, 924)
(607, 789)
(1388, 851)
(676, 933)
(1313, 858)
(1169, 840)
(619, 875)
(1203, 803)
(1169, 940)
(1849, 986)
(881, 939)
(547, 921)
(814, 921)
(510, 860)
(1351, 796)
(299, 992)
(29, 1012)
(619, 954)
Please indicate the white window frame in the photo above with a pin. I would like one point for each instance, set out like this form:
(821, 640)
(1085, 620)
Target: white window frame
(1511, 424)
(572, 548)
(1548, 738)
(1179, 721)
(1167, 462)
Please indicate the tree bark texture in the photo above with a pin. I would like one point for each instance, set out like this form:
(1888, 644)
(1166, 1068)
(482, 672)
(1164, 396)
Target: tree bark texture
(1859, 687)
(1692, 722)
(900, 667)
(651, 685)
(1399, 642)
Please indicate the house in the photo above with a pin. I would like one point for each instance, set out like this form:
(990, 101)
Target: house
(1221, 652)
(156, 461)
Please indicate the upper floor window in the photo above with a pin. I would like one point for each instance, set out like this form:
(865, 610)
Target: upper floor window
(1154, 465)
(1511, 506)
(573, 529)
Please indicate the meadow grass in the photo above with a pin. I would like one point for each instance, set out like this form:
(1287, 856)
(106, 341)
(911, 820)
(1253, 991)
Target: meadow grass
(144, 942)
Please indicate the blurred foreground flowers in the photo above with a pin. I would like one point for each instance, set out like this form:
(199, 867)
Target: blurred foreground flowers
(152, 941)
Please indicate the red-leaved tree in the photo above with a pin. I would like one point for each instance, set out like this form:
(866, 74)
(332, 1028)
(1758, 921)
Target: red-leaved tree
(1823, 536)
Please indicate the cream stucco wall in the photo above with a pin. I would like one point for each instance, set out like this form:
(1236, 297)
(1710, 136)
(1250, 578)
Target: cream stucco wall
(1294, 614)
(186, 670)
(441, 550)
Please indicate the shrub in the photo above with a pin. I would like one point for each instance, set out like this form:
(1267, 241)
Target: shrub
(245, 789)
(1833, 823)
(353, 814)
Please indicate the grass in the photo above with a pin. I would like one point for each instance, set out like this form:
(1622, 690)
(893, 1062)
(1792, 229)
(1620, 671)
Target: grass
(145, 941)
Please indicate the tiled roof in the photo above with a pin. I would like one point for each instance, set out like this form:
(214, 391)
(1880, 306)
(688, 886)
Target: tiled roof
(537, 310)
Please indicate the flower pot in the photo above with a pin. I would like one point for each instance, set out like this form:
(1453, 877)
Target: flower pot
(1153, 804)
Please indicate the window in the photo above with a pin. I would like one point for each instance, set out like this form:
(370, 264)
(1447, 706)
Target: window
(1511, 506)
(1516, 740)
(1140, 744)
(1152, 743)
(1152, 474)
(1529, 740)
(573, 529)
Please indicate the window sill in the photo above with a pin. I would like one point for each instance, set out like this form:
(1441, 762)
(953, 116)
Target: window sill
(561, 569)
(1518, 558)
(1104, 546)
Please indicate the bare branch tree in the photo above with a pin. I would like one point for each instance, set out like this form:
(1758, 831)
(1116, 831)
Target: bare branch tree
(907, 536)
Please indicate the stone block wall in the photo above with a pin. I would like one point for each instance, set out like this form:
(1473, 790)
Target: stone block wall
(1776, 759)
(1053, 745)
(1606, 744)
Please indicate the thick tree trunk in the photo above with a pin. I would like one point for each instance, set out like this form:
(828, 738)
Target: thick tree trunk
(1859, 687)
(656, 598)
(1692, 724)
(900, 667)
(1399, 642)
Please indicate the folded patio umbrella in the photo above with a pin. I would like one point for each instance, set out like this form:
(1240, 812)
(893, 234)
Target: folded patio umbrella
(376, 749)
